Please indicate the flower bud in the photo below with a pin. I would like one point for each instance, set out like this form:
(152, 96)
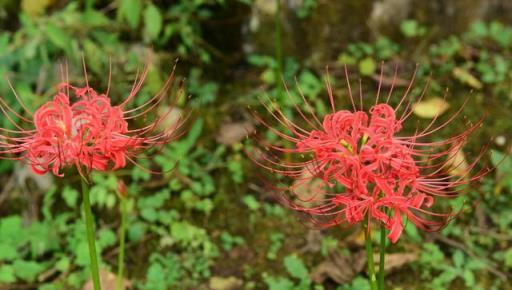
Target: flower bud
(121, 189)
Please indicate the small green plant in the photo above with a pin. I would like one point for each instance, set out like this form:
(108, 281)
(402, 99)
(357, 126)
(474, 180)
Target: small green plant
(297, 270)
(443, 273)
(276, 242)
(229, 241)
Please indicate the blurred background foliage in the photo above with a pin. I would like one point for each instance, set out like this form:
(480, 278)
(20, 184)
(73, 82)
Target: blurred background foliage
(211, 223)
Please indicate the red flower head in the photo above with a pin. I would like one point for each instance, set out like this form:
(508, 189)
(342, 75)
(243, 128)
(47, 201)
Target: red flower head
(367, 168)
(80, 127)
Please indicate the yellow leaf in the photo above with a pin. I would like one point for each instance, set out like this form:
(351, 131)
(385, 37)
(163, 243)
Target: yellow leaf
(430, 108)
(466, 77)
(35, 7)
(457, 164)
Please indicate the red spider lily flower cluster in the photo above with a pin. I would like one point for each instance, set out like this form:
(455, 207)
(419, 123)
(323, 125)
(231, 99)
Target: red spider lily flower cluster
(368, 172)
(80, 127)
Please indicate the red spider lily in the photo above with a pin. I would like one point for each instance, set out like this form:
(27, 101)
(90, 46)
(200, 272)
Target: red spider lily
(80, 127)
(375, 173)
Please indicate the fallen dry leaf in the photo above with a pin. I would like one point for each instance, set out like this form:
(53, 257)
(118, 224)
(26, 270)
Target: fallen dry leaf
(108, 281)
(467, 78)
(430, 108)
(457, 164)
(313, 241)
(396, 261)
(171, 115)
(342, 268)
(234, 132)
(309, 191)
(225, 283)
(339, 267)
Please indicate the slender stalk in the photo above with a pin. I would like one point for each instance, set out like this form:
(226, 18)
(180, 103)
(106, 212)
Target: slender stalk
(371, 264)
(122, 234)
(89, 222)
(382, 248)
(279, 50)
(278, 46)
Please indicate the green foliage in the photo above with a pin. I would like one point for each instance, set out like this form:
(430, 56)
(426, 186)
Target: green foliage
(306, 8)
(20, 248)
(296, 269)
(152, 22)
(461, 267)
(276, 242)
(251, 202)
(178, 220)
(228, 241)
(367, 66)
(163, 273)
(411, 28)
(504, 171)
(359, 283)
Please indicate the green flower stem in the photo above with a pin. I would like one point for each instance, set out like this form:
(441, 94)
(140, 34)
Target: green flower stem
(371, 264)
(89, 222)
(122, 235)
(382, 255)
(279, 49)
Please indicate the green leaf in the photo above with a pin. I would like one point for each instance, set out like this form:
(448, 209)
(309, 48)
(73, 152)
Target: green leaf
(479, 29)
(411, 28)
(136, 231)
(150, 214)
(469, 278)
(508, 258)
(296, 267)
(12, 232)
(184, 232)
(70, 196)
(359, 283)
(192, 136)
(94, 18)
(82, 253)
(385, 48)
(251, 202)
(276, 240)
(412, 232)
(43, 238)
(497, 158)
(163, 272)
(367, 66)
(58, 37)
(27, 270)
(63, 264)
(131, 10)
(8, 252)
(278, 283)
(7, 274)
(106, 238)
(458, 258)
(4, 42)
(152, 21)
(155, 277)
(432, 254)
(310, 85)
(445, 277)
(155, 201)
(345, 58)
